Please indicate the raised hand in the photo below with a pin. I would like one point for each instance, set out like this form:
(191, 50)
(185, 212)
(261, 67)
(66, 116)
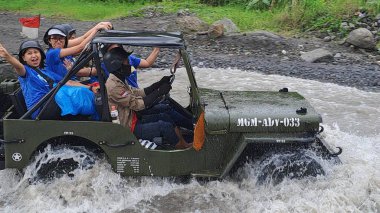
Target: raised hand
(3, 52)
(104, 25)
(68, 64)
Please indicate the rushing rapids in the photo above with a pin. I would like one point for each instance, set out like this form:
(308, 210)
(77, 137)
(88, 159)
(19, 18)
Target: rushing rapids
(351, 121)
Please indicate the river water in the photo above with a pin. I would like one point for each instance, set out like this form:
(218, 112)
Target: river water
(351, 121)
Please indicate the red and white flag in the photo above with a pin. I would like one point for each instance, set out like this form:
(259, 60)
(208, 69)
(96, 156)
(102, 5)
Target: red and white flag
(30, 26)
(31, 22)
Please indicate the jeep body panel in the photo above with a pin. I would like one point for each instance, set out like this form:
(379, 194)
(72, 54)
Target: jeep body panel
(217, 117)
(121, 147)
(270, 112)
(272, 116)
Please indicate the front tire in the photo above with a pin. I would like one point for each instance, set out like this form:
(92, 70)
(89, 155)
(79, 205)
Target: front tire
(293, 165)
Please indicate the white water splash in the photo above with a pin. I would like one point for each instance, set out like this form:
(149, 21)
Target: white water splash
(351, 121)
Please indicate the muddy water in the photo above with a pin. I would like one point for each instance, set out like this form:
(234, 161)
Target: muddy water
(351, 121)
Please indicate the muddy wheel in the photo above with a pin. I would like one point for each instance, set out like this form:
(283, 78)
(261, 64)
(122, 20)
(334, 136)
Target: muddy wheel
(59, 161)
(275, 168)
(2, 156)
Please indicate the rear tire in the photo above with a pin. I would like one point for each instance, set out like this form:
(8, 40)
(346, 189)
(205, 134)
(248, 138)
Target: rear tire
(2, 157)
(2, 152)
(59, 161)
(293, 165)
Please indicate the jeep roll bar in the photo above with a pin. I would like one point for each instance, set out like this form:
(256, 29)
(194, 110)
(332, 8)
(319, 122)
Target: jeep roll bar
(141, 38)
(170, 40)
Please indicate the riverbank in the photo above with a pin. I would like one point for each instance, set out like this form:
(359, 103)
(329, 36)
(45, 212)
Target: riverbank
(262, 52)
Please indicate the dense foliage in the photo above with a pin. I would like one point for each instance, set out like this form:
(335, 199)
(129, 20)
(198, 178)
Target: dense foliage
(271, 4)
(325, 15)
(273, 15)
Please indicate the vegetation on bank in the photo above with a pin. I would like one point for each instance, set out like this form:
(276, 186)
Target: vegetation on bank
(273, 15)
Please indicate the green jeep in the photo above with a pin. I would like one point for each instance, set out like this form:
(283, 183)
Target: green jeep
(232, 128)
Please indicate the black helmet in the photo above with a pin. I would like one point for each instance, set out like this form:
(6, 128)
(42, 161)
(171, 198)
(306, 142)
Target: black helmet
(69, 29)
(30, 44)
(104, 48)
(113, 59)
(56, 29)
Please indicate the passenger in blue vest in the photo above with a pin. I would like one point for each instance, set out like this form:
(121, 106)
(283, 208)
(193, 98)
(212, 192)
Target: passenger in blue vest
(135, 63)
(70, 31)
(61, 50)
(71, 37)
(35, 81)
(31, 59)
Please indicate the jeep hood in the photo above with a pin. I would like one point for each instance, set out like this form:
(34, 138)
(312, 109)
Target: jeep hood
(257, 111)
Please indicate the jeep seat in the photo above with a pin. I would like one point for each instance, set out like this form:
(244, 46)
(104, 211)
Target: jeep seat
(20, 106)
(18, 101)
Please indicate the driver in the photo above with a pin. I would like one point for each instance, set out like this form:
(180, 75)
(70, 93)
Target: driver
(134, 61)
(129, 100)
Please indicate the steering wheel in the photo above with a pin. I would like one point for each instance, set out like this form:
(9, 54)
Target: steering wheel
(172, 79)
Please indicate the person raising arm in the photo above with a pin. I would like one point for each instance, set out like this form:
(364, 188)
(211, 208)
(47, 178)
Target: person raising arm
(34, 80)
(58, 51)
(149, 61)
(80, 39)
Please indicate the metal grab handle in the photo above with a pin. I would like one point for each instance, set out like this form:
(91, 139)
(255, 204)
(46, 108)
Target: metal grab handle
(12, 141)
(116, 145)
(174, 66)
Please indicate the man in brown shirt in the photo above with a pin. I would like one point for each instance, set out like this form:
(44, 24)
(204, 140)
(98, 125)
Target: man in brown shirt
(128, 100)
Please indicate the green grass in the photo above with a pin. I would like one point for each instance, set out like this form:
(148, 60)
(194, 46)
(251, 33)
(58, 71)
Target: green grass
(308, 14)
(246, 20)
(83, 10)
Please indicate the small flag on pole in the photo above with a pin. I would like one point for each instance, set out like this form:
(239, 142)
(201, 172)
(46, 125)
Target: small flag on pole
(30, 26)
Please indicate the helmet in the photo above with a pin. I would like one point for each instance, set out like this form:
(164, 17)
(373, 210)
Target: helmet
(69, 29)
(30, 44)
(55, 30)
(104, 48)
(113, 59)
